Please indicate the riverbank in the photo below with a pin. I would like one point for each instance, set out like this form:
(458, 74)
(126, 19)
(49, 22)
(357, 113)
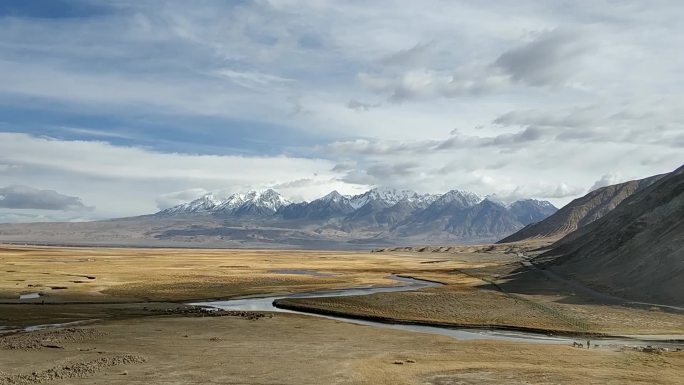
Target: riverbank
(472, 298)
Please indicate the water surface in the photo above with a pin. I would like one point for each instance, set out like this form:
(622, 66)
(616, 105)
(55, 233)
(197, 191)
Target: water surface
(409, 284)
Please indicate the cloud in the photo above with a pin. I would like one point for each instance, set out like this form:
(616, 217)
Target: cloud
(573, 117)
(173, 98)
(24, 197)
(510, 140)
(416, 56)
(540, 190)
(344, 166)
(167, 200)
(417, 84)
(252, 80)
(607, 180)
(647, 121)
(455, 141)
(88, 132)
(101, 159)
(361, 106)
(126, 180)
(379, 171)
(552, 58)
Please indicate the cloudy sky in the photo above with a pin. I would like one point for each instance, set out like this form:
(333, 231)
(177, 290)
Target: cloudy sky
(116, 108)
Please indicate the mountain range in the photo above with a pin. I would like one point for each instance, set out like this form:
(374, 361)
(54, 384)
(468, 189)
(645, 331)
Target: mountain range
(384, 212)
(378, 217)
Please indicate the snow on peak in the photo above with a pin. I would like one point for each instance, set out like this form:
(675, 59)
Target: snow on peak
(466, 198)
(205, 203)
(232, 202)
(333, 196)
(388, 196)
(269, 199)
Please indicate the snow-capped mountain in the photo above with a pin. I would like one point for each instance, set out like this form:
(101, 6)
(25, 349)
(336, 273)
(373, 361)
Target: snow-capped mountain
(447, 205)
(332, 205)
(231, 203)
(254, 202)
(389, 197)
(204, 204)
(261, 203)
(377, 212)
(458, 197)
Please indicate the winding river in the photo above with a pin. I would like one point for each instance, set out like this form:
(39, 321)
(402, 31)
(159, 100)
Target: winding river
(255, 303)
(408, 284)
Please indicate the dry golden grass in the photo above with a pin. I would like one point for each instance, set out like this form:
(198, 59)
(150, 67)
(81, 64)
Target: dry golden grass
(133, 276)
(296, 349)
(124, 275)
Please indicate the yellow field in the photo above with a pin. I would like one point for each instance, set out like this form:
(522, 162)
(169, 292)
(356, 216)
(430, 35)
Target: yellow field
(129, 290)
(134, 279)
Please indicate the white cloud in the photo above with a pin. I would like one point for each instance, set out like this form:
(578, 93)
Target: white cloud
(132, 180)
(545, 97)
(607, 180)
(164, 201)
(25, 197)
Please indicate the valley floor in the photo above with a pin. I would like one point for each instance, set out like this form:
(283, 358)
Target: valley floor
(134, 338)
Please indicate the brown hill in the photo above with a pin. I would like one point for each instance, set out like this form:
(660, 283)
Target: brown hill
(636, 251)
(581, 211)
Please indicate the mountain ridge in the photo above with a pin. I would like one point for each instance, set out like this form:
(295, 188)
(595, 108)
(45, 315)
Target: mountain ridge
(636, 250)
(581, 211)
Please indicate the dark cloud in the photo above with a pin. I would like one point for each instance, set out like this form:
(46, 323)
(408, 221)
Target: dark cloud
(23, 197)
(551, 59)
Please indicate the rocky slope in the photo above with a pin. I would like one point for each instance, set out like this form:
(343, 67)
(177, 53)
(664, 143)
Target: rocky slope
(580, 212)
(635, 251)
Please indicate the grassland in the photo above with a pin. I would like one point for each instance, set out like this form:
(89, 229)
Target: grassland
(127, 291)
(121, 282)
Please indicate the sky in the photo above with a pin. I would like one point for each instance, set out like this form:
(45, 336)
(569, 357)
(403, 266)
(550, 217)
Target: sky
(121, 108)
